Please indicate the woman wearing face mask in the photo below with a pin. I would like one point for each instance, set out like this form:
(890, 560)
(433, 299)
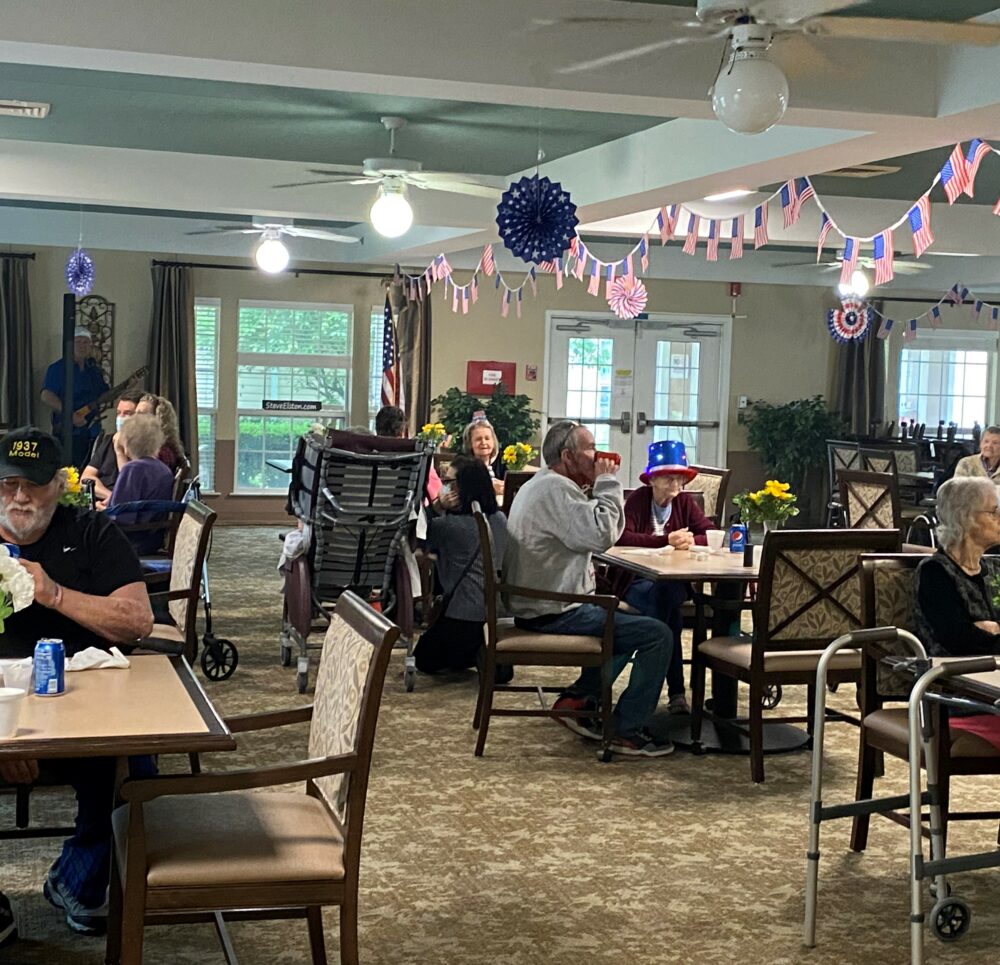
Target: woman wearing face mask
(102, 466)
(456, 638)
(480, 441)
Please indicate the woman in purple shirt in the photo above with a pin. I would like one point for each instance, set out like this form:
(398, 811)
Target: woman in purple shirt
(143, 477)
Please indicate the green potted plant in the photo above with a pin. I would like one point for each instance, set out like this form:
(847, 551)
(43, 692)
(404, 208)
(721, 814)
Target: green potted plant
(511, 416)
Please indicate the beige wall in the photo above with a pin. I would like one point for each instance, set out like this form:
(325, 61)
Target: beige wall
(781, 350)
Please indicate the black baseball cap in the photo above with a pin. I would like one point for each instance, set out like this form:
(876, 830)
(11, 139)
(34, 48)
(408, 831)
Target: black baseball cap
(31, 454)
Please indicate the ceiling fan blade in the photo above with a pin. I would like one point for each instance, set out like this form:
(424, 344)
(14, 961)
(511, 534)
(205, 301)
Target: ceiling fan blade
(822, 265)
(296, 232)
(343, 179)
(333, 169)
(798, 56)
(791, 11)
(456, 187)
(616, 58)
(226, 230)
(905, 31)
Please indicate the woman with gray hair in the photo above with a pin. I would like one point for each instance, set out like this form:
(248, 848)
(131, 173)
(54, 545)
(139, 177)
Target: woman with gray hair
(480, 441)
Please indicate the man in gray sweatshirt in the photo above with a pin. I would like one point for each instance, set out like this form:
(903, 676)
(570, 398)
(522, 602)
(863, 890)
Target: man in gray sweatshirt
(553, 530)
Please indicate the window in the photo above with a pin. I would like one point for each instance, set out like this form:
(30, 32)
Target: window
(947, 376)
(677, 373)
(287, 351)
(206, 368)
(375, 364)
(588, 384)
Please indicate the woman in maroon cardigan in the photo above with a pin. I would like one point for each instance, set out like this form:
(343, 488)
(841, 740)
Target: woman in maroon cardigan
(660, 514)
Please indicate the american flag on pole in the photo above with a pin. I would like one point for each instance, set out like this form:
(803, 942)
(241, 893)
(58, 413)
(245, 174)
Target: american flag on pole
(712, 250)
(390, 361)
(955, 174)
(788, 197)
(803, 192)
(883, 257)
(884, 328)
(850, 259)
(825, 225)
(736, 238)
(760, 225)
(978, 149)
(920, 224)
(489, 265)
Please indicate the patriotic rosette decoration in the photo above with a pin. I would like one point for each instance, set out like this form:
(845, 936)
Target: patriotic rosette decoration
(628, 297)
(80, 273)
(537, 219)
(850, 322)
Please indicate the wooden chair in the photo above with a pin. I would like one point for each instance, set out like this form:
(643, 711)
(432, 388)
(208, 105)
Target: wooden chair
(870, 500)
(205, 848)
(878, 460)
(808, 594)
(840, 454)
(713, 484)
(513, 480)
(888, 599)
(507, 644)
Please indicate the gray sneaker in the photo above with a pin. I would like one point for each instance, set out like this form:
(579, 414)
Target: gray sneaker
(640, 744)
(86, 921)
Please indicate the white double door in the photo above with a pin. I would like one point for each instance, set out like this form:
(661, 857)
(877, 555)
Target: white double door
(641, 381)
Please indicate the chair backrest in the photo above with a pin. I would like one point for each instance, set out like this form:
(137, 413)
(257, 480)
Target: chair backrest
(809, 592)
(878, 460)
(512, 483)
(888, 599)
(190, 551)
(841, 454)
(348, 695)
(489, 570)
(713, 483)
(870, 499)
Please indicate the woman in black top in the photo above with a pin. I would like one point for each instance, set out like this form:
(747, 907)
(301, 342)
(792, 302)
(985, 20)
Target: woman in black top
(956, 614)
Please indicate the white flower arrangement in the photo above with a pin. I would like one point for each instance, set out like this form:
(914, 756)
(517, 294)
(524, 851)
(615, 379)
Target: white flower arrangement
(17, 588)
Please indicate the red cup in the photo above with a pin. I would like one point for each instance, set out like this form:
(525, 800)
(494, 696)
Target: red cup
(613, 456)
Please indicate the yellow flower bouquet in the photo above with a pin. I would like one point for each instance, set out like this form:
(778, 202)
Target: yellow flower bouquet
(772, 504)
(517, 456)
(74, 494)
(432, 433)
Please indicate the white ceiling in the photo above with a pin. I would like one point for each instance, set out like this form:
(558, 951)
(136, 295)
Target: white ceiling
(850, 104)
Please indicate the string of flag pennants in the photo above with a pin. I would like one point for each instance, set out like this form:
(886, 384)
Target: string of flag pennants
(956, 177)
(957, 295)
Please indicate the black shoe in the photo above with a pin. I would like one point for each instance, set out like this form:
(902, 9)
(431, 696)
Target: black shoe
(8, 929)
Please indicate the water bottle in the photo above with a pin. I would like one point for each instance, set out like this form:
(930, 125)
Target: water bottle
(12, 549)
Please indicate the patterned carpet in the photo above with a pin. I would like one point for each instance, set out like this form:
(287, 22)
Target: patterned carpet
(537, 852)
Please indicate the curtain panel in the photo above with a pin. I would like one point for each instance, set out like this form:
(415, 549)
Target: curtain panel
(172, 350)
(859, 383)
(17, 394)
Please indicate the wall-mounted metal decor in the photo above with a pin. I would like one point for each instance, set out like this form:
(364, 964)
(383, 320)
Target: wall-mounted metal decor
(98, 315)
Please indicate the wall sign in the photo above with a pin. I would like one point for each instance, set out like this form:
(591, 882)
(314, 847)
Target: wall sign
(290, 405)
(482, 378)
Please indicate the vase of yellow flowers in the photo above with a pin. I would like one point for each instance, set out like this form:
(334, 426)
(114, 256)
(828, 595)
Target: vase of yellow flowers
(74, 494)
(432, 434)
(770, 506)
(517, 456)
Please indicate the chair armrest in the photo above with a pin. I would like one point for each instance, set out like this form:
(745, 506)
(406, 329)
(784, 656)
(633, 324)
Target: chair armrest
(242, 780)
(241, 723)
(170, 594)
(606, 601)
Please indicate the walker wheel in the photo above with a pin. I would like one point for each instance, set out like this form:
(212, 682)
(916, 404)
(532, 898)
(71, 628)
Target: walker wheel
(772, 696)
(950, 919)
(219, 659)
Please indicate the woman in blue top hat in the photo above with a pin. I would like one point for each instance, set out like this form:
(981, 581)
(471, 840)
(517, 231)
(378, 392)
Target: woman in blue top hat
(659, 514)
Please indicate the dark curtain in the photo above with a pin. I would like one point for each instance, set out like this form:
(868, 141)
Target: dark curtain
(171, 350)
(413, 329)
(859, 383)
(16, 393)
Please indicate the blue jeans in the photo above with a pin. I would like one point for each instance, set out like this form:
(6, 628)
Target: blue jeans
(649, 640)
(662, 599)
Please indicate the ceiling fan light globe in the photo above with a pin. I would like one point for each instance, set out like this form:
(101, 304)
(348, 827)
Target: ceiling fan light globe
(391, 214)
(859, 283)
(271, 256)
(750, 95)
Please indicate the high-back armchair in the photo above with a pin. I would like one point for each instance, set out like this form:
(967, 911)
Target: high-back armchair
(713, 484)
(870, 500)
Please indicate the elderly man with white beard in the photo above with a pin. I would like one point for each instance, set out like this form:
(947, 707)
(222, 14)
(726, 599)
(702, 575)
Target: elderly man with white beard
(89, 592)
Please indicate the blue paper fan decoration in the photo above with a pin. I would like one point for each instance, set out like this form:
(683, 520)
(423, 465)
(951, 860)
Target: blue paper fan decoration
(537, 219)
(850, 322)
(80, 273)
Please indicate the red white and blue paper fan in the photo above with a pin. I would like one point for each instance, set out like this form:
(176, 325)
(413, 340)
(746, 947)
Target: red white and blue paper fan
(628, 297)
(537, 219)
(850, 322)
(80, 273)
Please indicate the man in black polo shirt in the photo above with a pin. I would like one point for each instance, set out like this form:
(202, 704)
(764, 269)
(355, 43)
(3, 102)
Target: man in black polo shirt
(102, 464)
(89, 592)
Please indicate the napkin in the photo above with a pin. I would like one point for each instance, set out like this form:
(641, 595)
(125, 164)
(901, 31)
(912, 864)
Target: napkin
(94, 659)
(646, 550)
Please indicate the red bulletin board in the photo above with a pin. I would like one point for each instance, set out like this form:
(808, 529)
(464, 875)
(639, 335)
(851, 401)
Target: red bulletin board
(481, 378)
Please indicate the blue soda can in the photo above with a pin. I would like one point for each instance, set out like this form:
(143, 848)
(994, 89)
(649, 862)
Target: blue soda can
(12, 549)
(50, 668)
(737, 537)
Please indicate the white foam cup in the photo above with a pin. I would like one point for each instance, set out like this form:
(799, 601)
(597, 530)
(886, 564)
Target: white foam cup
(715, 537)
(11, 701)
(18, 675)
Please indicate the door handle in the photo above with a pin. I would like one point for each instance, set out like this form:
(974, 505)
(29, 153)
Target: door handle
(626, 422)
(640, 422)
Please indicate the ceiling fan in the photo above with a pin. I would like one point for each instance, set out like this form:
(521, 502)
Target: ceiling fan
(391, 214)
(900, 266)
(270, 254)
(750, 93)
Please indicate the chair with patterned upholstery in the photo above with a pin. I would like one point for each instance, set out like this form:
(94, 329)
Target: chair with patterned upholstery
(878, 460)
(204, 847)
(808, 594)
(870, 500)
(840, 454)
(508, 645)
(888, 599)
(713, 484)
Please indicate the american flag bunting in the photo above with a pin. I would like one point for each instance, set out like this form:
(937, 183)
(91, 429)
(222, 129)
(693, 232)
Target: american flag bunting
(803, 192)
(609, 276)
(505, 303)
(883, 257)
(977, 308)
(594, 287)
(850, 259)
(520, 292)
(487, 262)
(736, 238)
(884, 328)
(936, 316)
(954, 174)
(994, 316)
(644, 252)
(760, 225)
(910, 332)
(691, 241)
(825, 225)
(788, 197)
(978, 149)
(712, 248)
(920, 224)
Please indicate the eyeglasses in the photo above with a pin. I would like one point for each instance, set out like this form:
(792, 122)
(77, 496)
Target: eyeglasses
(573, 426)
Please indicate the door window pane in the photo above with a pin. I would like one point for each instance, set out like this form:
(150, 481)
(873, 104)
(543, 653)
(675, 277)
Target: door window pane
(589, 375)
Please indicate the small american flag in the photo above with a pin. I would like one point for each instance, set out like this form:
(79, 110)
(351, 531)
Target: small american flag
(936, 316)
(644, 252)
(691, 241)
(850, 260)
(736, 238)
(953, 295)
(994, 315)
(803, 192)
(825, 225)
(661, 223)
(955, 174)
(977, 307)
(489, 265)
(712, 249)
(547, 267)
(390, 366)
(885, 327)
(788, 198)
(910, 332)
(920, 224)
(760, 225)
(883, 257)
(996, 207)
(978, 149)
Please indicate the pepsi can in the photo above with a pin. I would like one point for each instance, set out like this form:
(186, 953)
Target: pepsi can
(50, 668)
(737, 537)
(12, 549)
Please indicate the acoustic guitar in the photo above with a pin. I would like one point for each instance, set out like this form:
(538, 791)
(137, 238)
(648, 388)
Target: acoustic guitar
(92, 410)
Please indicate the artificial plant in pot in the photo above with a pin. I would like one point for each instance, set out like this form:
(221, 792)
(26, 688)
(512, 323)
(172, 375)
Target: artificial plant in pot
(511, 416)
(790, 438)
